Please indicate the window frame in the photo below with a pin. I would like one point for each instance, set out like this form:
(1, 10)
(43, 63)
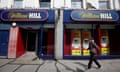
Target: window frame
(19, 6)
(75, 6)
(45, 2)
(105, 1)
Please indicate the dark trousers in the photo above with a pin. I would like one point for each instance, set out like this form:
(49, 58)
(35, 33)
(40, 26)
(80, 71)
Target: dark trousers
(92, 58)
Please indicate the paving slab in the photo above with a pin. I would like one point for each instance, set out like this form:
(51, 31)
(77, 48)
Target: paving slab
(111, 65)
(27, 68)
(9, 68)
(5, 61)
(48, 66)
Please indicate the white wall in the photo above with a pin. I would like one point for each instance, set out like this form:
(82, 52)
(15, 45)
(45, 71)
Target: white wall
(67, 3)
(55, 3)
(31, 4)
(3, 3)
(58, 3)
(117, 4)
(6, 3)
(111, 4)
(11, 3)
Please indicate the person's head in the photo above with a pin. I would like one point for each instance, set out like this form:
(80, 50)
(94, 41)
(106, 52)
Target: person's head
(91, 40)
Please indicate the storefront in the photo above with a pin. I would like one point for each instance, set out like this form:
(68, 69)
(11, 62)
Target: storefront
(27, 30)
(66, 36)
(80, 25)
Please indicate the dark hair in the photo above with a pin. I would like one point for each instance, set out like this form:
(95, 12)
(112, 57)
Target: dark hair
(91, 39)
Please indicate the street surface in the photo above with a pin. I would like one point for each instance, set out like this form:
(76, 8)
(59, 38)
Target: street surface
(12, 65)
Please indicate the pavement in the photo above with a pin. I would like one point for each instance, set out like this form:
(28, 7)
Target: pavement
(10, 65)
(27, 58)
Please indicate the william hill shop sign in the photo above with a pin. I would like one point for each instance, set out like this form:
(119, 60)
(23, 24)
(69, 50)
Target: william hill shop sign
(94, 15)
(24, 15)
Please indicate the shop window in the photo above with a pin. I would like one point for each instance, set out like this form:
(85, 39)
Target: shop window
(18, 3)
(104, 41)
(76, 42)
(104, 4)
(48, 42)
(77, 3)
(44, 3)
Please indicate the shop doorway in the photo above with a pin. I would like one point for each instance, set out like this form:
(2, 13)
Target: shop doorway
(29, 39)
(32, 40)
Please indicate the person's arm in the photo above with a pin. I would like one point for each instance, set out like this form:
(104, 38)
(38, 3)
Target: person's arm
(97, 47)
(88, 47)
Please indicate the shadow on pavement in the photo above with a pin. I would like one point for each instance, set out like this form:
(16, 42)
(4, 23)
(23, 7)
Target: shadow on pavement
(68, 68)
(83, 65)
(40, 66)
(57, 67)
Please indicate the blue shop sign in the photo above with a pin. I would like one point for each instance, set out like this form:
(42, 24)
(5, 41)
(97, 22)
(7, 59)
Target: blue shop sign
(94, 15)
(24, 15)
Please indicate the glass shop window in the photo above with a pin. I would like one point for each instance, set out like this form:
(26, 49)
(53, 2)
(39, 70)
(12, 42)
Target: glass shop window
(44, 3)
(104, 4)
(18, 3)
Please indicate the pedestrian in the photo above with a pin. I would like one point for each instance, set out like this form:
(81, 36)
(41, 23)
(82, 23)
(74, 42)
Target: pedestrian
(93, 47)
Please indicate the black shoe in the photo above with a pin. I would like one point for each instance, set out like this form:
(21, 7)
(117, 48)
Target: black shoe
(99, 67)
(89, 68)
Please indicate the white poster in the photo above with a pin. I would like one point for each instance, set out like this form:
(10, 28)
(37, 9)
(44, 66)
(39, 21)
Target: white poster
(31, 3)
(94, 3)
(76, 43)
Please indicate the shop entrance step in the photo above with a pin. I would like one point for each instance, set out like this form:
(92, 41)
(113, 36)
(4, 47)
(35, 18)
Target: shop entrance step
(28, 58)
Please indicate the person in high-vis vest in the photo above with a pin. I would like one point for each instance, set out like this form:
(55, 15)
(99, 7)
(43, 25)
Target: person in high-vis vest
(93, 47)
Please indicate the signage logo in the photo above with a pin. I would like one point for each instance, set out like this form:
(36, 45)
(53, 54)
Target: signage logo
(20, 15)
(24, 15)
(100, 16)
(35, 15)
(90, 15)
(17, 15)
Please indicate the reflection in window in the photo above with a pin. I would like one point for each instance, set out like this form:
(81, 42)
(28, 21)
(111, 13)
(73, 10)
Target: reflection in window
(104, 4)
(47, 42)
(44, 3)
(104, 41)
(85, 43)
(76, 43)
(18, 3)
(77, 4)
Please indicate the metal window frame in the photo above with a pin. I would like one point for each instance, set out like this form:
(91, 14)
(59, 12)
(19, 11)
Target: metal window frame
(77, 1)
(18, 1)
(108, 3)
(49, 1)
